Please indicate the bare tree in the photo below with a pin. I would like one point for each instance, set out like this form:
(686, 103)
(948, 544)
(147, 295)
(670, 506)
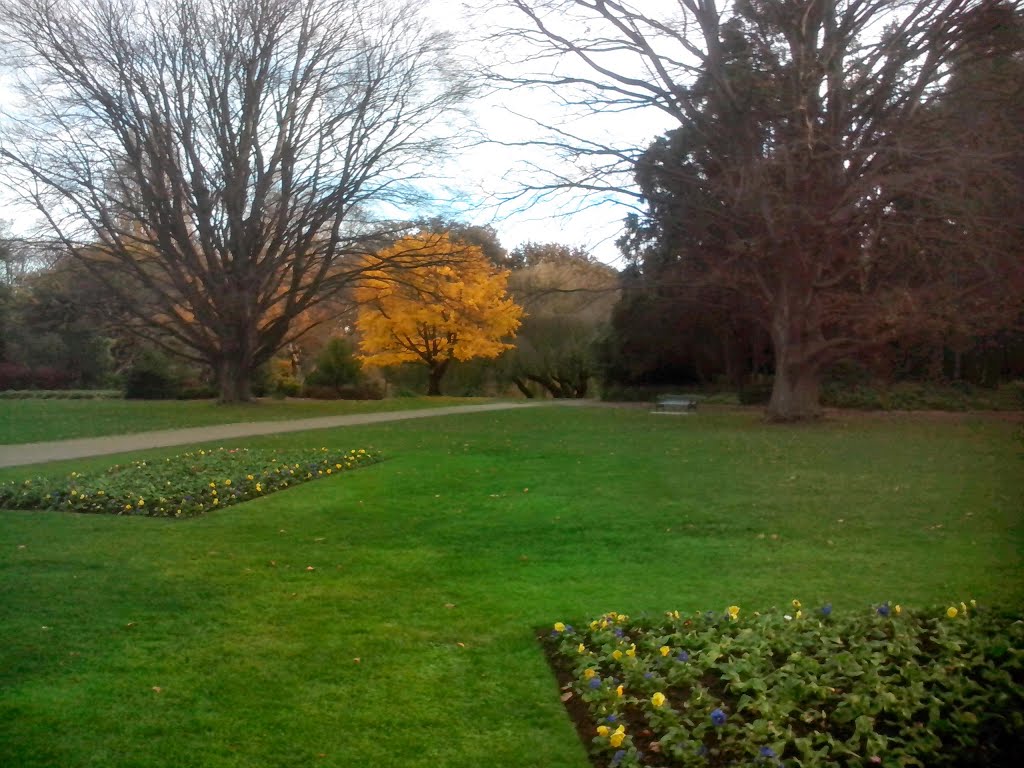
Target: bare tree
(218, 163)
(796, 177)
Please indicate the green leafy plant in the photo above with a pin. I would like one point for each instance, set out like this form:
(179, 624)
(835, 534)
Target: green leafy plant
(185, 485)
(336, 366)
(887, 686)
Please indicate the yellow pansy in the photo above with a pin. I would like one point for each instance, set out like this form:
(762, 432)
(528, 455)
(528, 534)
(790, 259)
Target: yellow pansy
(631, 652)
(734, 612)
(589, 673)
(619, 690)
(581, 648)
(616, 739)
(259, 488)
(658, 699)
(951, 612)
(616, 654)
(796, 604)
(603, 730)
(897, 609)
(559, 626)
(665, 650)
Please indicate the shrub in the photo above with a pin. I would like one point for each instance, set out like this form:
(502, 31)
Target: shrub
(151, 378)
(61, 394)
(758, 392)
(196, 391)
(365, 391)
(882, 686)
(336, 366)
(21, 377)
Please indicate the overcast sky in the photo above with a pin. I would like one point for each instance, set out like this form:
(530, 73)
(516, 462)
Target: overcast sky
(486, 173)
(492, 170)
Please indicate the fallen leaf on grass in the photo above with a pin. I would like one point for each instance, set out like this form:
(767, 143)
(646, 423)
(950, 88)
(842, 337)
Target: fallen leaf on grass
(310, 568)
(157, 689)
(449, 605)
(567, 695)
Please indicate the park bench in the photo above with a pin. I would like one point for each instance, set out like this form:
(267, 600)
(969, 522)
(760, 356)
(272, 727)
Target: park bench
(675, 404)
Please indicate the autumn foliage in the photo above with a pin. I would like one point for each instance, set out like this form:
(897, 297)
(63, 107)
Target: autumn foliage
(430, 300)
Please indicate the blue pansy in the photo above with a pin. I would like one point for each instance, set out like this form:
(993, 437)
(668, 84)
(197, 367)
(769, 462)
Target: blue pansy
(683, 656)
(595, 682)
(718, 717)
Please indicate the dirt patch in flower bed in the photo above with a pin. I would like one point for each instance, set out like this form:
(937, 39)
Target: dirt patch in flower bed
(885, 686)
(184, 485)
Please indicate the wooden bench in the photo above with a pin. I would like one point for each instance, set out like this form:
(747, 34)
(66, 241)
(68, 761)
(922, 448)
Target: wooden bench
(675, 404)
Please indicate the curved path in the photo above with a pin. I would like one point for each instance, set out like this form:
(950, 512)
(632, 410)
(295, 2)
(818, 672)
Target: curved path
(60, 450)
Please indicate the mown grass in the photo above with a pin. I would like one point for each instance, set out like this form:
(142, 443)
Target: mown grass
(150, 642)
(29, 421)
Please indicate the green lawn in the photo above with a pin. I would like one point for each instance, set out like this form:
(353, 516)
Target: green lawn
(29, 421)
(209, 642)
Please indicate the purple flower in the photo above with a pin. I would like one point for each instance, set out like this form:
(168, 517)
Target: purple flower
(718, 717)
(883, 609)
(648, 675)
(767, 752)
(618, 632)
(595, 683)
(683, 656)
(568, 629)
(826, 609)
(611, 718)
(617, 758)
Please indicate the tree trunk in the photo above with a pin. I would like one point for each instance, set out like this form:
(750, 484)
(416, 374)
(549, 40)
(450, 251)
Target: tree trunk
(796, 392)
(235, 381)
(521, 386)
(437, 371)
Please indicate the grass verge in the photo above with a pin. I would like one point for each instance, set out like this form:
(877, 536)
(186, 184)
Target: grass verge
(30, 421)
(386, 617)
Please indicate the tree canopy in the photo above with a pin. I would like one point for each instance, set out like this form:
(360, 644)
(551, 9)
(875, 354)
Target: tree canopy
(448, 302)
(808, 182)
(216, 162)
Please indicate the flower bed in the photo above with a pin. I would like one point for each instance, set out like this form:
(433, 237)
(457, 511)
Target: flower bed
(888, 687)
(185, 485)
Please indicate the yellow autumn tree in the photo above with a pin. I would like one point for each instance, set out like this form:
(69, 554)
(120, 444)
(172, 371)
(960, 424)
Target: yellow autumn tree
(429, 299)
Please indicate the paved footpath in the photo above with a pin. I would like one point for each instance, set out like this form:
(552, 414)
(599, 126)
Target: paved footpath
(37, 453)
